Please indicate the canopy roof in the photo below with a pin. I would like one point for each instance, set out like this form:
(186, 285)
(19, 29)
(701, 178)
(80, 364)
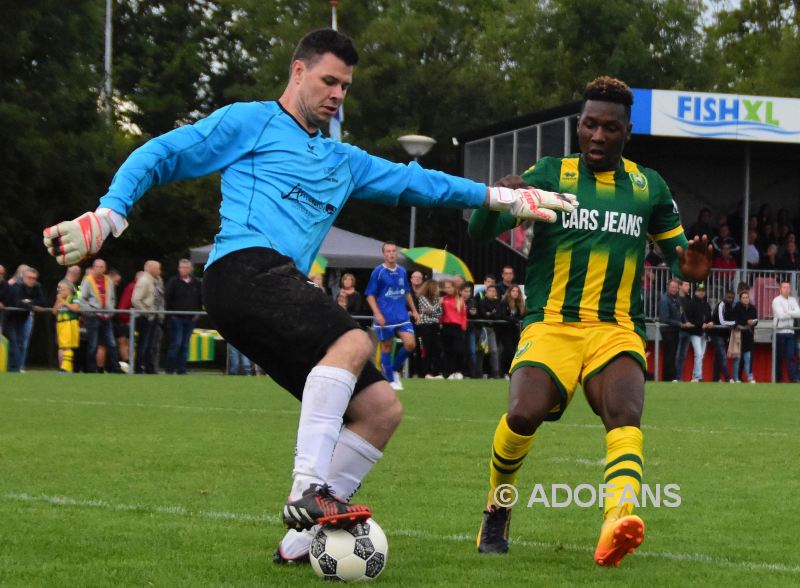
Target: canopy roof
(341, 248)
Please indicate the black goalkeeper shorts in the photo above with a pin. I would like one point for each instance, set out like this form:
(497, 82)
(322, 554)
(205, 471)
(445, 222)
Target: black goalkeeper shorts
(270, 311)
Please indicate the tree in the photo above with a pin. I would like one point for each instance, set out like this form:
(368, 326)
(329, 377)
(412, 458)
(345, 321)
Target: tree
(548, 51)
(55, 150)
(754, 46)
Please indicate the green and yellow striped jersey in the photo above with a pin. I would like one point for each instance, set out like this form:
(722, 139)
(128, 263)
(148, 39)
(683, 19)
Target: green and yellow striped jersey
(588, 265)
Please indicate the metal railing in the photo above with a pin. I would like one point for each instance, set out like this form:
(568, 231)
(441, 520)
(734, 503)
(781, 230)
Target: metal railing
(764, 286)
(660, 277)
(363, 320)
(132, 313)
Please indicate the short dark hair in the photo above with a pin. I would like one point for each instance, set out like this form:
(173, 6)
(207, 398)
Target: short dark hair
(608, 89)
(385, 243)
(316, 43)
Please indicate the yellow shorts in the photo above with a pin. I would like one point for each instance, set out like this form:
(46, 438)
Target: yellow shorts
(574, 352)
(68, 334)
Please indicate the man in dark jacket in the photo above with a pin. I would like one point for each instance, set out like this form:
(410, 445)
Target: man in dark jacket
(182, 293)
(669, 315)
(4, 288)
(489, 309)
(26, 293)
(698, 313)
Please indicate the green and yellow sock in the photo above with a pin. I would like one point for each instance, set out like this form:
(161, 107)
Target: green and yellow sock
(623, 471)
(508, 452)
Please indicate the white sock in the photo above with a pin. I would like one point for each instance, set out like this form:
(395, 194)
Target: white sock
(296, 543)
(325, 398)
(352, 460)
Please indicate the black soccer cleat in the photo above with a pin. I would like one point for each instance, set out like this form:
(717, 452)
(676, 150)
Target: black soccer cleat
(318, 506)
(493, 534)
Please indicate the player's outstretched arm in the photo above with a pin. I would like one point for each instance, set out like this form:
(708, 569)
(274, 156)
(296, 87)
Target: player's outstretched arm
(530, 203)
(485, 224)
(695, 260)
(72, 241)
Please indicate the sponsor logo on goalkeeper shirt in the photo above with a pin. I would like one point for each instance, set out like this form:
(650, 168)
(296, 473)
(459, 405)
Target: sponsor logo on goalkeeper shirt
(297, 194)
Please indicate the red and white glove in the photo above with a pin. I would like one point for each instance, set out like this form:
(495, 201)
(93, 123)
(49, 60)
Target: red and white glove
(531, 203)
(72, 241)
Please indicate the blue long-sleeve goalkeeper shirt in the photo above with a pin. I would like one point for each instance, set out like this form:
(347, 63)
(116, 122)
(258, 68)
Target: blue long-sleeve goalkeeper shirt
(281, 186)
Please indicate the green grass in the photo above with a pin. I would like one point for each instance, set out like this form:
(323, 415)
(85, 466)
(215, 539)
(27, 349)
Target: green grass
(165, 481)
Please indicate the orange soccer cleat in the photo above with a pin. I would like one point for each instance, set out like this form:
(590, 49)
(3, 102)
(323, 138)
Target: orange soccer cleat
(618, 538)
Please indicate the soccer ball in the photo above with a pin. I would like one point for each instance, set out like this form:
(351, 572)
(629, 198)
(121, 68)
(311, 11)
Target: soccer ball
(352, 555)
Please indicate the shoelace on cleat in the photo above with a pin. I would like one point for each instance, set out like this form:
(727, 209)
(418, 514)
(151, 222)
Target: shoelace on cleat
(495, 527)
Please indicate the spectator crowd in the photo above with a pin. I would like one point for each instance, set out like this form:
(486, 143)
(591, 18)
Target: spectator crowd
(771, 240)
(91, 335)
(460, 329)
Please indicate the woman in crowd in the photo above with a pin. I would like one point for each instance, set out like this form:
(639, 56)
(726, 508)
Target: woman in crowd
(454, 324)
(746, 320)
(416, 367)
(512, 309)
(428, 330)
(769, 261)
(348, 297)
(417, 281)
(471, 304)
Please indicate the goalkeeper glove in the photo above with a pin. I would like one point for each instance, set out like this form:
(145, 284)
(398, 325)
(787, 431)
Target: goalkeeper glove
(72, 241)
(531, 203)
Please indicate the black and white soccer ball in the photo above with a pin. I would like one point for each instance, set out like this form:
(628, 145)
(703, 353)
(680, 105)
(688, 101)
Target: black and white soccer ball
(356, 554)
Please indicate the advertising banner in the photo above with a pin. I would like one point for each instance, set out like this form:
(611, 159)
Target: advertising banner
(716, 116)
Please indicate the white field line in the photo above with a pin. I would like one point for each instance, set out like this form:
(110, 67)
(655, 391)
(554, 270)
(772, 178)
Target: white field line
(267, 411)
(157, 406)
(144, 508)
(598, 425)
(699, 558)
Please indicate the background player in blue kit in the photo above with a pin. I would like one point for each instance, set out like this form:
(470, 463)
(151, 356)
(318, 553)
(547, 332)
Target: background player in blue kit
(389, 296)
(283, 185)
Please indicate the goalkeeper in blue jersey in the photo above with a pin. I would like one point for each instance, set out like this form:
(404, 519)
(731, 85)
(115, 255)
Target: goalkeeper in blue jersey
(283, 184)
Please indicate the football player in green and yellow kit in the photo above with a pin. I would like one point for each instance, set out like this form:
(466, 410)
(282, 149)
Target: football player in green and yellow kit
(584, 321)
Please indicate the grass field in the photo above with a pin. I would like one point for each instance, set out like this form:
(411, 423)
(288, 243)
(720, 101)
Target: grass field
(165, 481)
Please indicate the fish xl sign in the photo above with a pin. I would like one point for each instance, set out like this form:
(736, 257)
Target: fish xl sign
(716, 116)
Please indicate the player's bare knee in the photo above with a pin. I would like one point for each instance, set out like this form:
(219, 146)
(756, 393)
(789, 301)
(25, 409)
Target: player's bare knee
(358, 344)
(623, 413)
(533, 394)
(523, 424)
(391, 413)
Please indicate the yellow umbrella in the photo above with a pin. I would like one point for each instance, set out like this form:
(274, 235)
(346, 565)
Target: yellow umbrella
(439, 260)
(319, 266)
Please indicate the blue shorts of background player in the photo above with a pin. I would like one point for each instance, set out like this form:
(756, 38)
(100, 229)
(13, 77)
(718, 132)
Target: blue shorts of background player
(389, 331)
